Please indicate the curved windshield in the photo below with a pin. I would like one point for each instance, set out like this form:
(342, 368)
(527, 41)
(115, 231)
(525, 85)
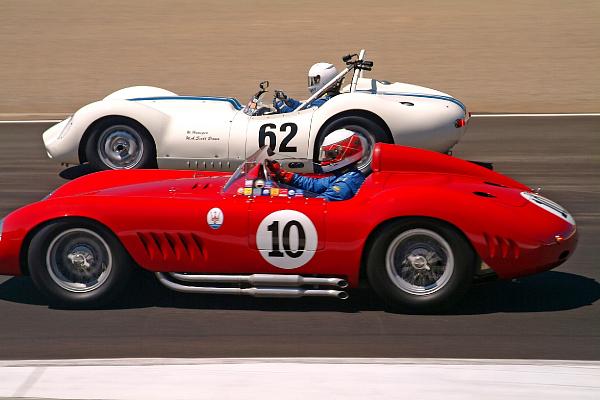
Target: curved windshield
(253, 179)
(251, 169)
(250, 108)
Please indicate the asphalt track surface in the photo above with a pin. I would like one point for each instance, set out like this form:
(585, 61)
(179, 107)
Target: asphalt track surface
(554, 315)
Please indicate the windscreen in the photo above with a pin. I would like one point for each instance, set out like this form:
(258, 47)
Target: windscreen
(255, 159)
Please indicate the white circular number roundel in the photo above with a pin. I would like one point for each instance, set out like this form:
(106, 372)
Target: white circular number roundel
(287, 239)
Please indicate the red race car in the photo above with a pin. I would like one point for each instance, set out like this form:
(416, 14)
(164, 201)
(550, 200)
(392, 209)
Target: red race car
(422, 227)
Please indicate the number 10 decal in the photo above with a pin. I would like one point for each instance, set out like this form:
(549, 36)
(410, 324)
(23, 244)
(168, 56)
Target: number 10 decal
(287, 239)
(274, 229)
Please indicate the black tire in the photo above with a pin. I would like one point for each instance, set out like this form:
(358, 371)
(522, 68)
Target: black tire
(373, 131)
(408, 266)
(120, 138)
(56, 249)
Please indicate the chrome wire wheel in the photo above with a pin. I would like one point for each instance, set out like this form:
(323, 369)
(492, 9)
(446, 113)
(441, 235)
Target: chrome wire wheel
(419, 261)
(79, 260)
(120, 147)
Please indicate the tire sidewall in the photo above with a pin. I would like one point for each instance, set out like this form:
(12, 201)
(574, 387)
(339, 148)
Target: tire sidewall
(357, 124)
(148, 159)
(441, 299)
(104, 294)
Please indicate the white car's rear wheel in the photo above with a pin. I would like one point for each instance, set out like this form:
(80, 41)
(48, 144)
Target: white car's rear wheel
(120, 143)
(367, 128)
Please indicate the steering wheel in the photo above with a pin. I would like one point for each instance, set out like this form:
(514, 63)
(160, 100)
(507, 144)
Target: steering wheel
(262, 110)
(266, 170)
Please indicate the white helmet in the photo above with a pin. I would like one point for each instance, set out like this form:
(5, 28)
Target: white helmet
(340, 149)
(319, 75)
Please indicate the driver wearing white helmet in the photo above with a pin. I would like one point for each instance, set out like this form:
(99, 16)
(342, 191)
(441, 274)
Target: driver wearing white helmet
(319, 75)
(340, 152)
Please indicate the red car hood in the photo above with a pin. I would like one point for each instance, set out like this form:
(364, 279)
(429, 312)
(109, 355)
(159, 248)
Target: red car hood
(142, 183)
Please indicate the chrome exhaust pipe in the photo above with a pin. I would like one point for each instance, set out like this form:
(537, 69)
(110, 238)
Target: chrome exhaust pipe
(253, 291)
(262, 279)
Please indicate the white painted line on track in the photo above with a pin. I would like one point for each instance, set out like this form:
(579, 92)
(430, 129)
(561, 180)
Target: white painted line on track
(537, 115)
(300, 378)
(301, 360)
(33, 121)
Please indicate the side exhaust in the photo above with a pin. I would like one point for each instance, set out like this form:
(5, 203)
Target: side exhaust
(270, 281)
(262, 280)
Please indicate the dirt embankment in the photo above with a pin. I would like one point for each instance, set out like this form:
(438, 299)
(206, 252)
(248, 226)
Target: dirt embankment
(510, 56)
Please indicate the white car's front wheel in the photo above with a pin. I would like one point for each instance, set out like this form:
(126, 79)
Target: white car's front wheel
(120, 143)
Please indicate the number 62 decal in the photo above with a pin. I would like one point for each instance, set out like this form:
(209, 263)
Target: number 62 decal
(266, 132)
(287, 239)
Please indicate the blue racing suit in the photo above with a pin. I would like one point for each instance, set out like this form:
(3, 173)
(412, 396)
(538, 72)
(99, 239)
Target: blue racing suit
(290, 104)
(338, 187)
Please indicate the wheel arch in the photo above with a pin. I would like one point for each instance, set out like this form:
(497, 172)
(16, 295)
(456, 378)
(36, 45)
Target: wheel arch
(87, 134)
(24, 263)
(368, 244)
(352, 113)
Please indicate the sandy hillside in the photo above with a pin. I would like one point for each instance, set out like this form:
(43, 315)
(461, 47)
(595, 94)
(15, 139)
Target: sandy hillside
(496, 56)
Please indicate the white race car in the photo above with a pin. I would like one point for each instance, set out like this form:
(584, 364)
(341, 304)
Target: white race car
(147, 127)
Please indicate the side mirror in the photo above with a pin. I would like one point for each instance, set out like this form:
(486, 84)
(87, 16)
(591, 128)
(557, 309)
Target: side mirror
(264, 85)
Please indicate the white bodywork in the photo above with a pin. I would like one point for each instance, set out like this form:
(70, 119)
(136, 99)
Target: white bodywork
(211, 133)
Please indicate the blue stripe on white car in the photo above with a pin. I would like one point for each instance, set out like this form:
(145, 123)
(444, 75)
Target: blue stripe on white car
(234, 102)
(423, 95)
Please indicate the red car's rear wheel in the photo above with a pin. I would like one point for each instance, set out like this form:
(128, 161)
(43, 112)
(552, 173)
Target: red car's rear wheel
(78, 264)
(420, 265)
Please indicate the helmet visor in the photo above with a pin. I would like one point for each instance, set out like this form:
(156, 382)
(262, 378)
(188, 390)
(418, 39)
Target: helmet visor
(329, 154)
(314, 80)
(350, 148)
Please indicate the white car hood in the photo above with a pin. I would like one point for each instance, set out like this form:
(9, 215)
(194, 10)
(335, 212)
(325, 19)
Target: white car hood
(139, 92)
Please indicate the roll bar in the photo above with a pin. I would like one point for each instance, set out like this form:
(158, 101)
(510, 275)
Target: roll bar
(354, 62)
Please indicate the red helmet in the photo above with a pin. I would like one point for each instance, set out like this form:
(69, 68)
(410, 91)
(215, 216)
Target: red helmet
(340, 149)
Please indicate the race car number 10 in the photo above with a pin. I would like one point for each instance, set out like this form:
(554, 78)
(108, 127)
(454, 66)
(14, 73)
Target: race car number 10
(287, 239)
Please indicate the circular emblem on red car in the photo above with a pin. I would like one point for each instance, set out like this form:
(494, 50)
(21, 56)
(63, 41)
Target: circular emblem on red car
(214, 218)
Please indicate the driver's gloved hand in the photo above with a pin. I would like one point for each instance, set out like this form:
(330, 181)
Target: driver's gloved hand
(279, 100)
(279, 174)
(280, 95)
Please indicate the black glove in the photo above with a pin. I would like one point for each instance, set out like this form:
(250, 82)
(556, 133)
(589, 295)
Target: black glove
(280, 95)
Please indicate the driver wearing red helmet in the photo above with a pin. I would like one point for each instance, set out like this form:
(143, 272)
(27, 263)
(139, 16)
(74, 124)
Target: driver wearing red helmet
(340, 152)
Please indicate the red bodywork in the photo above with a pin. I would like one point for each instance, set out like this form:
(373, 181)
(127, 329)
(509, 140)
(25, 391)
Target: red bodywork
(160, 216)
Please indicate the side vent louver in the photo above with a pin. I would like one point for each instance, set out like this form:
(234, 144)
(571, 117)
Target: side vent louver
(499, 247)
(171, 246)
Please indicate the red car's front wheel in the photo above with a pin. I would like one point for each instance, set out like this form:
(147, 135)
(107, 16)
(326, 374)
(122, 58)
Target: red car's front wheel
(78, 264)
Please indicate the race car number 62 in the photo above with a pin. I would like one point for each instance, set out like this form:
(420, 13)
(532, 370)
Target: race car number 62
(287, 239)
(265, 132)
